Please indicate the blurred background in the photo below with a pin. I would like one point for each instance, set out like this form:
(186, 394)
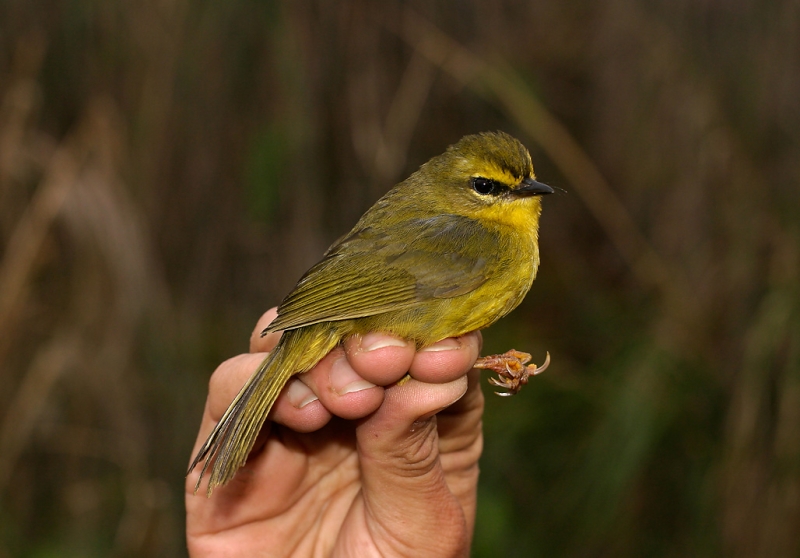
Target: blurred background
(168, 170)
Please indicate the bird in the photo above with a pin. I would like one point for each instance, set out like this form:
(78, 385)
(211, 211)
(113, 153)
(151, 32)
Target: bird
(451, 249)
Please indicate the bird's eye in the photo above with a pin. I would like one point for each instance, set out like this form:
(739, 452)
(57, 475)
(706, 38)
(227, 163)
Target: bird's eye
(485, 186)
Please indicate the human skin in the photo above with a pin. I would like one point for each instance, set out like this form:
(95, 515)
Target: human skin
(350, 463)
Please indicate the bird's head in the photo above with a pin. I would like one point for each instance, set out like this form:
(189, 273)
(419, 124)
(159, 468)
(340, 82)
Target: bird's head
(484, 176)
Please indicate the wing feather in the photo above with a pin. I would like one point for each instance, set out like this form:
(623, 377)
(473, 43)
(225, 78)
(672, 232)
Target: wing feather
(369, 272)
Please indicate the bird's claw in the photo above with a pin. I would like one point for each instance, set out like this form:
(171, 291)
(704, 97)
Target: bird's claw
(512, 370)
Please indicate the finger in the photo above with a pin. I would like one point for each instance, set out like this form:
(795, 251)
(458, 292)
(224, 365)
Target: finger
(224, 384)
(460, 429)
(296, 407)
(460, 425)
(264, 344)
(299, 408)
(228, 379)
(446, 360)
(378, 358)
(399, 457)
(340, 389)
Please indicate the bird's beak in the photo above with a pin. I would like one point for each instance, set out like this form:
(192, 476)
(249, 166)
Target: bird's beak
(529, 187)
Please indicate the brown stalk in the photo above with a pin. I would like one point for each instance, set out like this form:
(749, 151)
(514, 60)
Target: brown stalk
(31, 398)
(25, 244)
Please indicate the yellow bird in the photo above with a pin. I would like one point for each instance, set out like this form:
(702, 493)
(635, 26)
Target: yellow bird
(451, 249)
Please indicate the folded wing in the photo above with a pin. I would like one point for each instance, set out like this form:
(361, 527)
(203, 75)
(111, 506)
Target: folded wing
(372, 271)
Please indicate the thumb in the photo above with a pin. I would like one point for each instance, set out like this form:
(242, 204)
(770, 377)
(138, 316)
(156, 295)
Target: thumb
(406, 498)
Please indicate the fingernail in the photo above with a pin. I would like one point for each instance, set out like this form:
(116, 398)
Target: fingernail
(449, 344)
(375, 341)
(344, 379)
(299, 394)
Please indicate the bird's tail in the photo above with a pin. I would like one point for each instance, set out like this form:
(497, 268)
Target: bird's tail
(228, 446)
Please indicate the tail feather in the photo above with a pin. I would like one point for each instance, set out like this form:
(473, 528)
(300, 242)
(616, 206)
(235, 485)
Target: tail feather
(229, 444)
(227, 447)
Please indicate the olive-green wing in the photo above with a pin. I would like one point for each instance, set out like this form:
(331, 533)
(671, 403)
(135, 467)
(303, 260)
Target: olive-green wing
(372, 271)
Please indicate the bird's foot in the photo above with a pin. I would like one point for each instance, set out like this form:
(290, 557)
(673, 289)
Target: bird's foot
(512, 370)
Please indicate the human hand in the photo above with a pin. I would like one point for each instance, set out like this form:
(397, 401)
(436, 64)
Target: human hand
(349, 462)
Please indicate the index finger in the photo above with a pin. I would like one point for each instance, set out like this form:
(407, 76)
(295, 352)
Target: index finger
(264, 344)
